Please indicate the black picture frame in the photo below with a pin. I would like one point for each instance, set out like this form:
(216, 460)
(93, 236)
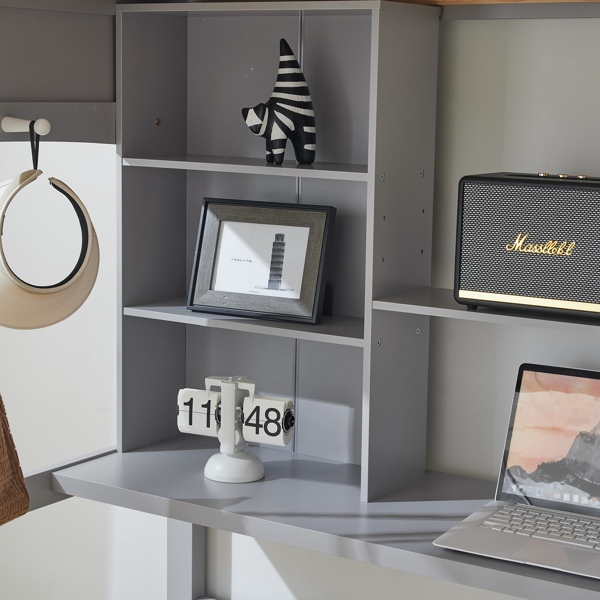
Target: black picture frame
(316, 224)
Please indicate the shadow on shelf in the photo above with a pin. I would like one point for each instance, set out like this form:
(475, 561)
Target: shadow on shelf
(436, 486)
(181, 442)
(309, 470)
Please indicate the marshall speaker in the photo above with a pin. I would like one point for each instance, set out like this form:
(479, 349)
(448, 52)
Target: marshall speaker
(529, 241)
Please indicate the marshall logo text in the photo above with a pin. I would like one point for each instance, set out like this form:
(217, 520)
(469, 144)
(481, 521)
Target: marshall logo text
(550, 247)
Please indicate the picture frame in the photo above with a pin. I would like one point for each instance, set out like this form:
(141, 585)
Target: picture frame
(265, 260)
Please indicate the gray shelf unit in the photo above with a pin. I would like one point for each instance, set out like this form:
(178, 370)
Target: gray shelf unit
(372, 71)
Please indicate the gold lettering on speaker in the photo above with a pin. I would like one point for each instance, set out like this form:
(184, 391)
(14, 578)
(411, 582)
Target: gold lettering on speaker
(550, 247)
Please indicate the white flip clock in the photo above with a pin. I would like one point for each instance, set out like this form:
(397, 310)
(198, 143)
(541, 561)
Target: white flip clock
(235, 419)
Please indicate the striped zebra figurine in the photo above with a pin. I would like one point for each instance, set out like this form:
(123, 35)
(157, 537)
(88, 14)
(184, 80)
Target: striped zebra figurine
(287, 114)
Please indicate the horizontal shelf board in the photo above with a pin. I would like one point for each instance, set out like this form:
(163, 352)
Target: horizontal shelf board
(39, 482)
(249, 8)
(439, 302)
(253, 166)
(315, 504)
(346, 331)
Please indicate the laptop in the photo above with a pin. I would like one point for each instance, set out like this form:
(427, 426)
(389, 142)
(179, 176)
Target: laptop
(547, 507)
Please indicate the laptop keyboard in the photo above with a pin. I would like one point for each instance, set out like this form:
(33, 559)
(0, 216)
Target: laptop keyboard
(536, 523)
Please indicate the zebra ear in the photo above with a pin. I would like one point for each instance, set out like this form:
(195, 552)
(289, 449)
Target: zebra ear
(284, 48)
(255, 117)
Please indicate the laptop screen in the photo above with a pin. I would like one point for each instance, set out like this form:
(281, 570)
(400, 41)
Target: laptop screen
(552, 453)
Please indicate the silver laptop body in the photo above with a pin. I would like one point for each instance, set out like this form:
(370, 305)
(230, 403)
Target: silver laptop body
(547, 507)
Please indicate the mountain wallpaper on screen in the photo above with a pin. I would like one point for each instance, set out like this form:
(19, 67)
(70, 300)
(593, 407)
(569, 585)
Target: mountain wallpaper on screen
(580, 468)
(583, 458)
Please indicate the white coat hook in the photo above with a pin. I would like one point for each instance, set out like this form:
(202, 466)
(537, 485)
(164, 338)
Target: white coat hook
(13, 125)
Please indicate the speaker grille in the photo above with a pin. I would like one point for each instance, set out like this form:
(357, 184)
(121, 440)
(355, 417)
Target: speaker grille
(494, 214)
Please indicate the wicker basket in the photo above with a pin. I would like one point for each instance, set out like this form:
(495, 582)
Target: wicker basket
(14, 497)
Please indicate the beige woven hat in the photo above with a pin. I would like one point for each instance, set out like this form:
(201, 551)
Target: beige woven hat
(26, 306)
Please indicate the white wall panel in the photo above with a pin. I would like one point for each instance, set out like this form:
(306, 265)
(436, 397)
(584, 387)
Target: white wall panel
(59, 383)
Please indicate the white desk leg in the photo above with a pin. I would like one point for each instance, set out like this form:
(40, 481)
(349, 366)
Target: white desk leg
(185, 560)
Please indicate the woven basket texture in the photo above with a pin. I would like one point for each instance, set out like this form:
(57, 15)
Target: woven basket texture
(14, 497)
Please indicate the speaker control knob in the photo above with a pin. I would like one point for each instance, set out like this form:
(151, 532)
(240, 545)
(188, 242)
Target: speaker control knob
(582, 176)
(563, 175)
(543, 174)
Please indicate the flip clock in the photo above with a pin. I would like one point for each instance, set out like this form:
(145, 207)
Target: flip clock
(236, 416)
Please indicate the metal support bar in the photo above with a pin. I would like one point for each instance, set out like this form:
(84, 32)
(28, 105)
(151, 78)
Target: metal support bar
(185, 560)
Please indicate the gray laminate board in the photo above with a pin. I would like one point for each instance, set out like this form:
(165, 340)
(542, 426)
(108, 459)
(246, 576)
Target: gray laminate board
(337, 329)
(314, 504)
(439, 302)
(252, 166)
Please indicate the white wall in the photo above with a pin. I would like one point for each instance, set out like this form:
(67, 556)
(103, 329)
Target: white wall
(59, 383)
(59, 387)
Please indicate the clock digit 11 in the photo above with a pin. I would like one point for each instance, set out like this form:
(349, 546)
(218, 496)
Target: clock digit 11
(198, 412)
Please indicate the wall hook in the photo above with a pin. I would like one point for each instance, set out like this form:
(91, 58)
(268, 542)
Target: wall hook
(13, 125)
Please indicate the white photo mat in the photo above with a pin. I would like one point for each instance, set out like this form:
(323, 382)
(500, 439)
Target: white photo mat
(244, 255)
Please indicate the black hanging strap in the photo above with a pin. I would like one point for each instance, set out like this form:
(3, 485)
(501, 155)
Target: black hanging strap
(34, 138)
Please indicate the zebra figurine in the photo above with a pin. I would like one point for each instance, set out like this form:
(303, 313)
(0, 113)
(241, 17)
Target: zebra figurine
(287, 114)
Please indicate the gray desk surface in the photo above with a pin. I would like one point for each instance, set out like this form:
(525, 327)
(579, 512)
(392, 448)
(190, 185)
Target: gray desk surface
(314, 504)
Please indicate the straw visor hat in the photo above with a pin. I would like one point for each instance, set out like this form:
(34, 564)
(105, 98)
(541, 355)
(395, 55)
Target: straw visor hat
(26, 306)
